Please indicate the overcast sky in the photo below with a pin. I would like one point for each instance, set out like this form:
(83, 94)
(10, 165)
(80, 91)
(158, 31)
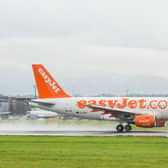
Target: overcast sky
(94, 40)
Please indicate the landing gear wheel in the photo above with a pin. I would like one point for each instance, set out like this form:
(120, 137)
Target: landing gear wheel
(128, 128)
(120, 128)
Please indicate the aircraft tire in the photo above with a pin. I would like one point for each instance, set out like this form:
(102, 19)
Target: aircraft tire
(120, 128)
(128, 128)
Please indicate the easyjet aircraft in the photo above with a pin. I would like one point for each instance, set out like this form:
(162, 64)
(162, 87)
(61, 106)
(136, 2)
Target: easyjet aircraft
(145, 112)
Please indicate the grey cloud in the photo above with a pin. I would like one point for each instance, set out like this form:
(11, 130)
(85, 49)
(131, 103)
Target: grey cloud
(78, 39)
(118, 23)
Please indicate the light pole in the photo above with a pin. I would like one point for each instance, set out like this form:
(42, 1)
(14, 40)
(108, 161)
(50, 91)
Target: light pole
(35, 93)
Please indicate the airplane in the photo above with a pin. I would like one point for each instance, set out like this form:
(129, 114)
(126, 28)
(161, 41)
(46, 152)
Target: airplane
(147, 112)
(40, 114)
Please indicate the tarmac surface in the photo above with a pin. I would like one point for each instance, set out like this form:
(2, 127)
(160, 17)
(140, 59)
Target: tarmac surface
(68, 128)
(87, 133)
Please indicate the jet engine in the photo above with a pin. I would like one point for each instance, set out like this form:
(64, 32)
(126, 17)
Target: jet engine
(148, 121)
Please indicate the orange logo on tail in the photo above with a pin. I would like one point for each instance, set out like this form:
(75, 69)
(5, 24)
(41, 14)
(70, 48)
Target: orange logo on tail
(46, 85)
(48, 80)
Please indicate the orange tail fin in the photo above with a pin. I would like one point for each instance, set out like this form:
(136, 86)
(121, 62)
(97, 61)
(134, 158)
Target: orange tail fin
(46, 85)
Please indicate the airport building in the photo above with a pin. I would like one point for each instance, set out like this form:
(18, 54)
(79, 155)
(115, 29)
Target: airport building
(4, 105)
(15, 105)
(18, 106)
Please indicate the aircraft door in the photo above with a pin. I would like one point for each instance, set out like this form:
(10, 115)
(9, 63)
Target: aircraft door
(68, 106)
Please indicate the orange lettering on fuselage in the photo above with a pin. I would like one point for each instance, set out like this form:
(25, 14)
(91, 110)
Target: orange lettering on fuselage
(132, 104)
(92, 102)
(162, 104)
(112, 103)
(125, 103)
(153, 106)
(102, 103)
(81, 104)
(142, 103)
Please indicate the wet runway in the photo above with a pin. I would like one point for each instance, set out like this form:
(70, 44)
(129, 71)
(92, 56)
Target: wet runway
(70, 128)
(87, 133)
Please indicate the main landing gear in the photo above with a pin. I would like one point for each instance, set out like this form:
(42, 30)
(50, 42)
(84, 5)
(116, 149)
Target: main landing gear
(121, 128)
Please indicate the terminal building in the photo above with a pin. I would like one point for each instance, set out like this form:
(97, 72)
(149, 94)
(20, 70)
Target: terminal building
(18, 106)
(4, 105)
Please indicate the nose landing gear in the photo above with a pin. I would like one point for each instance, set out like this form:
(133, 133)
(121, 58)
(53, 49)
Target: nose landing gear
(121, 128)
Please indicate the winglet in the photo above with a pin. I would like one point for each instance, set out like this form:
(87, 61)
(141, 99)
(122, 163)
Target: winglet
(46, 85)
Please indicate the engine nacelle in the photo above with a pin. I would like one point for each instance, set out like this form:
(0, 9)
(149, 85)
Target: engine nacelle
(148, 121)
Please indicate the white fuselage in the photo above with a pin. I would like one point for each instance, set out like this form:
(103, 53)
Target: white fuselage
(74, 106)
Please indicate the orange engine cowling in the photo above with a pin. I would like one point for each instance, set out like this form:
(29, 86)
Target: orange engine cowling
(147, 121)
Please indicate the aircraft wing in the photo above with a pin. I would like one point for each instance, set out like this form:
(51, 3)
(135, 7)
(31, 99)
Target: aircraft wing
(122, 114)
(33, 103)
